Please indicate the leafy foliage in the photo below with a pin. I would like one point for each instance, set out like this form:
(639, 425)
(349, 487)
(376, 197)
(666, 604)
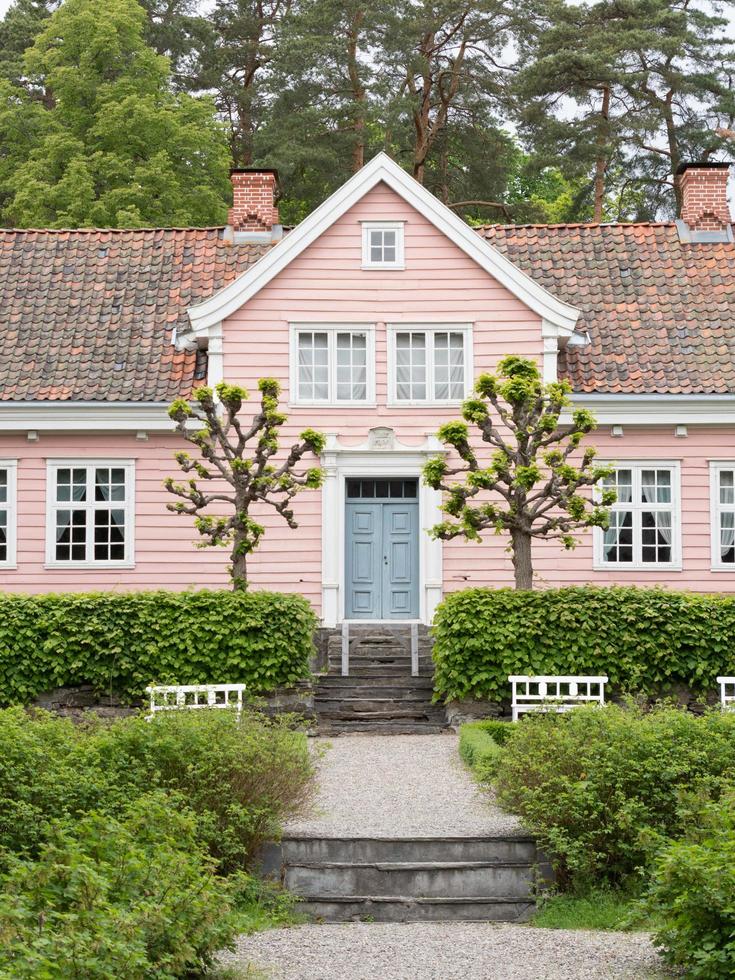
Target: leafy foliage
(644, 639)
(598, 787)
(122, 642)
(134, 896)
(693, 891)
(480, 746)
(532, 475)
(240, 457)
(242, 781)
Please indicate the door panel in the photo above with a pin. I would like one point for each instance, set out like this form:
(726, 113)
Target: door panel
(363, 558)
(400, 598)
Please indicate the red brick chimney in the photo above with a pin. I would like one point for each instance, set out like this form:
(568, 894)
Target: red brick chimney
(703, 188)
(253, 215)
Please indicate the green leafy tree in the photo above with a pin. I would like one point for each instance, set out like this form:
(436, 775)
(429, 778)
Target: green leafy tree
(240, 460)
(111, 144)
(19, 28)
(531, 485)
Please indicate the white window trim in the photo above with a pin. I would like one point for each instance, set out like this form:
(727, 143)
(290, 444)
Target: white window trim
(428, 328)
(52, 465)
(715, 467)
(332, 329)
(398, 228)
(675, 565)
(11, 466)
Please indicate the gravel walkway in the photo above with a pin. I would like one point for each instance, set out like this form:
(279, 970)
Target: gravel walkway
(399, 786)
(445, 951)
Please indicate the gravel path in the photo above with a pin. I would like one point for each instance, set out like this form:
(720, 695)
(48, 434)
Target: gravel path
(445, 951)
(399, 786)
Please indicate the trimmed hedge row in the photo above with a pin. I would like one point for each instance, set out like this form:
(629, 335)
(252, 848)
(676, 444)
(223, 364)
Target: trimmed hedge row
(121, 642)
(481, 745)
(643, 639)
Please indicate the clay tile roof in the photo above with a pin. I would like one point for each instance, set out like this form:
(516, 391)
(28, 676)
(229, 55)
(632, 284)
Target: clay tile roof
(660, 313)
(88, 315)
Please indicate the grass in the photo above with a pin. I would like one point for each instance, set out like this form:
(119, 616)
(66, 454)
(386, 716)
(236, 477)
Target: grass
(601, 909)
(265, 905)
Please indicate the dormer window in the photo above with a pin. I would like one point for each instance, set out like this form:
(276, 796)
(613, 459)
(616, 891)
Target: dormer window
(382, 245)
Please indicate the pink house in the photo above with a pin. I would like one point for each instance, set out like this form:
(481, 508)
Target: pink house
(375, 314)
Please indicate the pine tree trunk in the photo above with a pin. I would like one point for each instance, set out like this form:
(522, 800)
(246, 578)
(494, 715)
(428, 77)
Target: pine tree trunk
(601, 161)
(522, 561)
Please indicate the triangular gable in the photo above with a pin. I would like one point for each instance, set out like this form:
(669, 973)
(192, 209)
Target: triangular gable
(558, 317)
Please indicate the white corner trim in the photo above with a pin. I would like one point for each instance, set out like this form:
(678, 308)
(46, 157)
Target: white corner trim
(49, 416)
(399, 460)
(215, 356)
(11, 507)
(551, 357)
(559, 315)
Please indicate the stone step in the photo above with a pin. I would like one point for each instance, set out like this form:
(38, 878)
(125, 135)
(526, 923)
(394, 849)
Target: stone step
(405, 909)
(329, 727)
(378, 656)
(386, 671)
(435, 879)
(392, 692)
(366, 850)
(380, 711)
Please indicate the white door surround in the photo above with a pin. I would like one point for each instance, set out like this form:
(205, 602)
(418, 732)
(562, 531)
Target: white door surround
(381, 456)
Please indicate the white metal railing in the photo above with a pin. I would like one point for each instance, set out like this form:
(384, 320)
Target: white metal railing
(727, 692)
(552, 692)
(174, 697)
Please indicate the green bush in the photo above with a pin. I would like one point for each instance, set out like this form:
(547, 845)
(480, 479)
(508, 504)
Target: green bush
(693, 892)
(242, 780)
(134, 897)
(597, 785)
(643, 639)
(121, 642)
(480, 746)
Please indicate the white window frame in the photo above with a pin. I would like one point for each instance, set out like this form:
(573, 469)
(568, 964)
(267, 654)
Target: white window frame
(715, 468)
(428, 328)
(89, 463)
(11, 468)
(398, 228)
(637, 465)
(332, 329)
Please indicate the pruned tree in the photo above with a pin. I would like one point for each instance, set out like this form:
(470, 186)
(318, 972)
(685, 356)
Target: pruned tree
(239, 459)
(531, 485)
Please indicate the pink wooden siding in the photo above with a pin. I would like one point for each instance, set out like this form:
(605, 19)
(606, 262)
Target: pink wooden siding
(325, 283)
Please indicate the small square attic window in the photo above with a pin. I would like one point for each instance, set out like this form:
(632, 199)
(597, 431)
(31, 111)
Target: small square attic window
(382, 245)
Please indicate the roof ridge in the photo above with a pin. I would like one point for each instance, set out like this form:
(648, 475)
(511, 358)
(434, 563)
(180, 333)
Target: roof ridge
(581, 224)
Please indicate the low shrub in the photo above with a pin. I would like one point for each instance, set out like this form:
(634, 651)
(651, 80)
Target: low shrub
(480, 746)
(242, 780)
(643, 639)
(693, 892)
(121, 642)
(133, 897)
(597, 785)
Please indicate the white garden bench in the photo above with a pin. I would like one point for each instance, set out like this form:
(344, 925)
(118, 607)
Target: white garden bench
(174, 697)
(553, 692)
(727, 692)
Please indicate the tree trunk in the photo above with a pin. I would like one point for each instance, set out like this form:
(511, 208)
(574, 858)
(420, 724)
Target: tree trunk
(520, 542)
(601, 161)
(239, 569)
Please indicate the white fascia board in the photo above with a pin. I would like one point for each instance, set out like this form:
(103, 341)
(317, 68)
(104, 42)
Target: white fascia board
(558, 316)
(85, 416)
(657, 409)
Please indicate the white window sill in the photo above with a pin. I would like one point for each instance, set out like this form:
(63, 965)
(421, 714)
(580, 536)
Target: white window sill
(97, 565)
(722, 568)
(636, 567)
(8, 566)
(379, 267)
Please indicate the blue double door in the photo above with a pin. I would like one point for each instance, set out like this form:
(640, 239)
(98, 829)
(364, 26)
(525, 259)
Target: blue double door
(382, 549)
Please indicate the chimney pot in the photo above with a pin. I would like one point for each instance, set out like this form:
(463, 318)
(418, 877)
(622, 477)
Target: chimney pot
(254, 214)
(703, 186)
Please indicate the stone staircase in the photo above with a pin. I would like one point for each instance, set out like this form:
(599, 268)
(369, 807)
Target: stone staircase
(379, 695)
(409, 880)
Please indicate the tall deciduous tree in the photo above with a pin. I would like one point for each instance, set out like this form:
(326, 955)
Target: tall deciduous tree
(531, 486)
(112, 145)
(238, 468)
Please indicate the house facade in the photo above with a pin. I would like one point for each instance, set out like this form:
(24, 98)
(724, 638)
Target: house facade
(375, 314)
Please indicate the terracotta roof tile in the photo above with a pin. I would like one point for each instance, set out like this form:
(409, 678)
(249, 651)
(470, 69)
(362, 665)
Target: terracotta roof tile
(660, 313)
(88, 315)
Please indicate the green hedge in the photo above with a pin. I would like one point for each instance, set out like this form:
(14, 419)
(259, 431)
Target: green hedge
(121, 642)
(643, 639)
(480, 745)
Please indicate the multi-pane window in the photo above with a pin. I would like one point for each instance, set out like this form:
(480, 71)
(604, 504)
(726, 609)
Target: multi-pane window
(644, 520)
(332, 365)
(90, 512)
(723, 515)
(382, 245)
(7, 512)
(430, 365)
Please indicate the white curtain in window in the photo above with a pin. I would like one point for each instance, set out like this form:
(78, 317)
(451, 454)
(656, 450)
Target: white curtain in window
(664, 526)
(727, 532)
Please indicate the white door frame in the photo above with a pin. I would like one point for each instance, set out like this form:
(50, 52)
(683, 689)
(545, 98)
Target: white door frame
(381, 456)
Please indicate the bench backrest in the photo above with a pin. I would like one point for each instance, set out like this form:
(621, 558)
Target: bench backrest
(173, 697)
(554, 692)
(727, 692)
